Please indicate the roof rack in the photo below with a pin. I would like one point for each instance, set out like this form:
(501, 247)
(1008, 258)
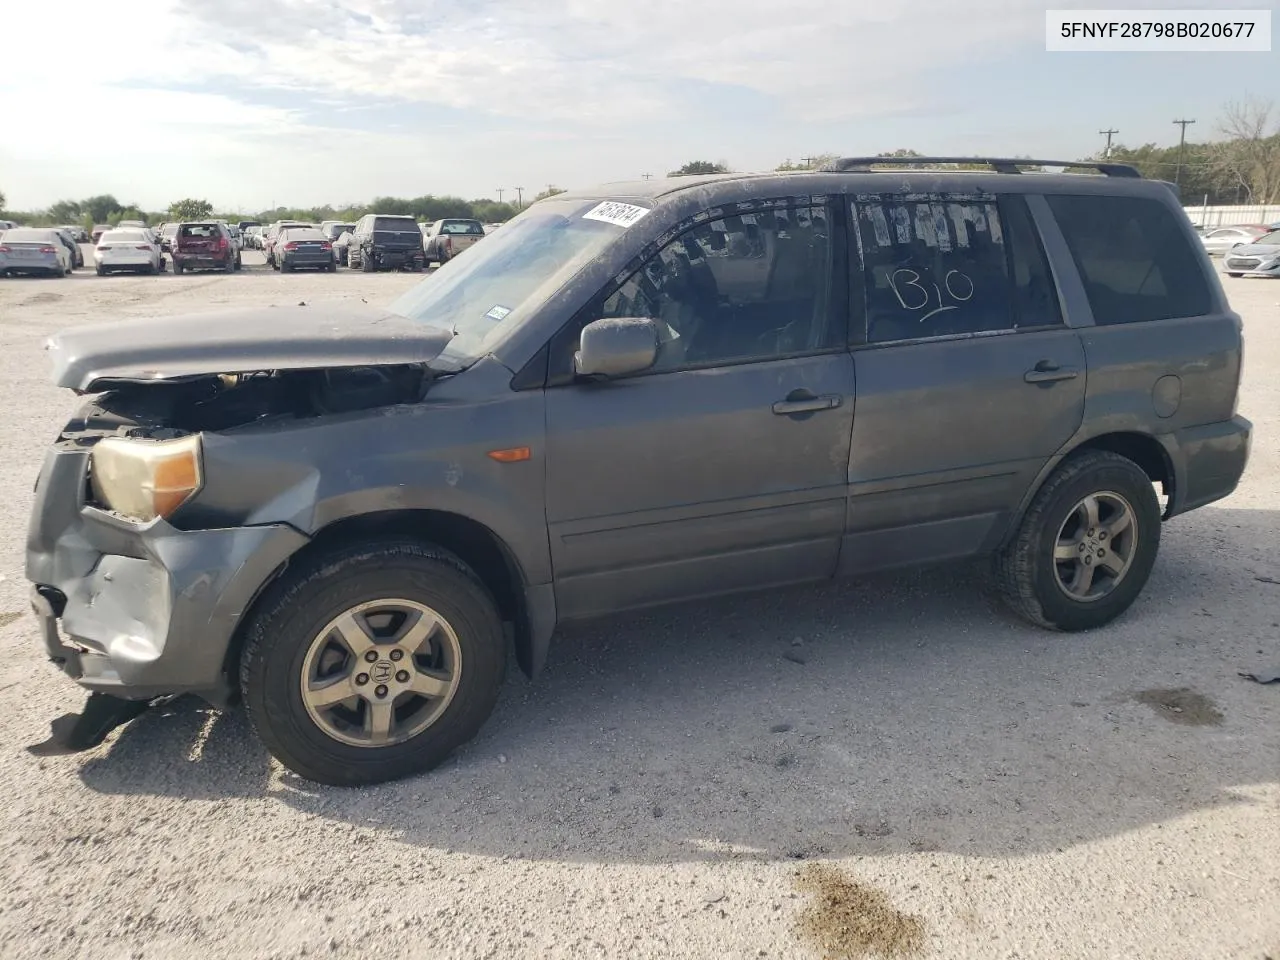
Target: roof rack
(998, 164)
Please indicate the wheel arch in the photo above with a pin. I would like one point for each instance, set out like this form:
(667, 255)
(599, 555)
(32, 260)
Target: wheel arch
(1144, 449)
(529, 610)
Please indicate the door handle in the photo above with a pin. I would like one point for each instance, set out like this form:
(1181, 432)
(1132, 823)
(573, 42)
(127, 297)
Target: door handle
(802, 401)
(1047, 371)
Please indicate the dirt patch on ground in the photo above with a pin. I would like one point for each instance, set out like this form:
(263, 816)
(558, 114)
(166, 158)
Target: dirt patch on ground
(1183, 705)
(40, 298)
(849, 920)
(7, 617)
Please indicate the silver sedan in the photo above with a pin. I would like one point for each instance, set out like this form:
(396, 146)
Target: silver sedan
(1222, 239)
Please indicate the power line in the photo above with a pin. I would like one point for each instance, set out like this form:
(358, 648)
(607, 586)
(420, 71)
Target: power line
(1108, 134)
(1182, 146)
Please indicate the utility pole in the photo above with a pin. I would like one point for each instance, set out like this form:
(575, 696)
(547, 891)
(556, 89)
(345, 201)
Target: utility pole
(807, 161)
(1106, 154)
(646, 176)
(519, 196)
(501, 191)
(1182, 146)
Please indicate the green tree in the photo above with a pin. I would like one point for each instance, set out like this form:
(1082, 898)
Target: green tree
(2, 199)
(101, 208)
(65, 211)
(695, 167)
(549, 192)
(190, 209)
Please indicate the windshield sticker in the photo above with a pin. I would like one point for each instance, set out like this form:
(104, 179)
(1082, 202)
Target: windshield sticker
(498, 313)
(619, 214)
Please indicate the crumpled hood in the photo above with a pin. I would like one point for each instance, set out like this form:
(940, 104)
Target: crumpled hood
(324, 335)
(1264, 250)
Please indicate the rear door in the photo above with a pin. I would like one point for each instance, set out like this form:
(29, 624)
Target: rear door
(723, 467)
(968, 380)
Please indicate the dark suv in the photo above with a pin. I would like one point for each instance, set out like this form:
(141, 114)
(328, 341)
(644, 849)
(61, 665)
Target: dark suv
(655, 391)
(379, 242)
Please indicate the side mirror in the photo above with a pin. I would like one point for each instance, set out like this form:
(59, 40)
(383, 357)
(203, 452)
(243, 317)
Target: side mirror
(615, 347)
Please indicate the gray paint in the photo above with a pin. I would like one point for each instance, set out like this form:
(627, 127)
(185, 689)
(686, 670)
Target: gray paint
(333, 334)
(642, 489)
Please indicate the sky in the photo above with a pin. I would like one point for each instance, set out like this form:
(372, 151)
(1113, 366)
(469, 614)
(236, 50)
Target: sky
(252, 104)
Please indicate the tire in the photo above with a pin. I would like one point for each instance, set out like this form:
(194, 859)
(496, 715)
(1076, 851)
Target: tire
(331, 268)
(228, 266)
(101, 272)
(366, 264)
(1031, 579)
(1229, 274)
(290, 623)
(238, 263)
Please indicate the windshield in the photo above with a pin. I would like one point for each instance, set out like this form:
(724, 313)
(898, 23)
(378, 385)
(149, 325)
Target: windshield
(502, 280)
(1272, 238)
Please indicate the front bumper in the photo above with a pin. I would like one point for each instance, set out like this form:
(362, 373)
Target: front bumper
(140, 610)
(1208, 462)
(1252, 266)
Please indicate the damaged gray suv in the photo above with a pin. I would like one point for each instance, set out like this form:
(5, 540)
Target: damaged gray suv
(344, 516)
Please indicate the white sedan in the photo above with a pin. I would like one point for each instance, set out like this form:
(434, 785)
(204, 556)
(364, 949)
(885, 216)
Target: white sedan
(130, 250)
(1224, 238)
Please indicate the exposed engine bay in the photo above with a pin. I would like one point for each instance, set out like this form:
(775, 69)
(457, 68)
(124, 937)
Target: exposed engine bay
(168, 409)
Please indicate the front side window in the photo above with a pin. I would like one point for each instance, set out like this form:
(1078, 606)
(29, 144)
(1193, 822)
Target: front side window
(1133, 257)
(751, 286)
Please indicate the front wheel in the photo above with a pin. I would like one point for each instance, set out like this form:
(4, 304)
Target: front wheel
(372, 662)
(1086, 546)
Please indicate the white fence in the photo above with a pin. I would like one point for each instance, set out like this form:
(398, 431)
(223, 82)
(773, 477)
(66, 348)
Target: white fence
(1227, 216)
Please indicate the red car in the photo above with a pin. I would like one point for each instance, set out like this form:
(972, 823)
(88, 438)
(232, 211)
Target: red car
(203, 246)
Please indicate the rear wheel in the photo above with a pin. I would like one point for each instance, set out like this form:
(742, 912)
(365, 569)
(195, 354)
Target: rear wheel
(238, 263)
(366, 264)
(372, 662)
(286, 266)
(1086, 546)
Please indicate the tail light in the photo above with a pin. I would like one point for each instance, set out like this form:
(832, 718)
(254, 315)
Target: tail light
(48, 250)
(222, 243)
(4, 249)
(326, 245)
(143, 246)
(448, 244)
(291, 245)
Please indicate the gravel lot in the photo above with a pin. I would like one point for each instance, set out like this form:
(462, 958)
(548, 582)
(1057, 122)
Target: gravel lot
(983, 788)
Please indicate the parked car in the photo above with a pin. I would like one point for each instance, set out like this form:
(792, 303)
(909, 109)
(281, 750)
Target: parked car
(244, 225)
(78, 233)
(1223, 239)
(7, 225)
(131, 250)
(270, 234)
(699, 406)
(167, 232)
(204, 245)
(340, 248)
(448, 238)
(253, 237)
(1261, 258)
(333, 229)
(304, 247)
(386, 242)
(139, 225)
(98, 230)
(68, 240)
(34, 250)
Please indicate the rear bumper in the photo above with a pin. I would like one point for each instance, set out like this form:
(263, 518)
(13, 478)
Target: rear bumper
(307, 259)
(1208, 462)
(140, 610)
(397, 258)
(200, 260)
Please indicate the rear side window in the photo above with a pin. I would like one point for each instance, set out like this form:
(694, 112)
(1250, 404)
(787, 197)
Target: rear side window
(1133, 257)
(933, 267)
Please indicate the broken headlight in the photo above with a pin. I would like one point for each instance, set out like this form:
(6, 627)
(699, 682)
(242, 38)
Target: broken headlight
(145, 479)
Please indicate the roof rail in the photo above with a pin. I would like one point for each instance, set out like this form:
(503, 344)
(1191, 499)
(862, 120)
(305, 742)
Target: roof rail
(998, 164)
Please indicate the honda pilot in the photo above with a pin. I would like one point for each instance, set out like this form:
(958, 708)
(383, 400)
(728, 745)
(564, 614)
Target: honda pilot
(344, 515)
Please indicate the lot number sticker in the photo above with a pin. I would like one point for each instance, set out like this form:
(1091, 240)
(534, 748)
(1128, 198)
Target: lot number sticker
(498, 313)
(619, 214)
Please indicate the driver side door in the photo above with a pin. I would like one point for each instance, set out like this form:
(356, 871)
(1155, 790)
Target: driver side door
(724, 466)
